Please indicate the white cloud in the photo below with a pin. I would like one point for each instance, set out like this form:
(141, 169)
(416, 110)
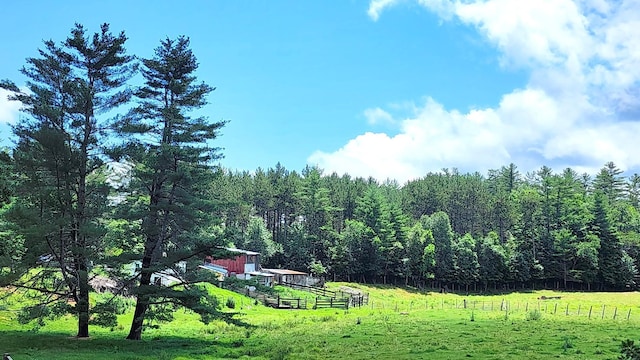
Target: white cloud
(541, 32)
(378, 116)
(580, 108)
(377, 6)
(8, 109)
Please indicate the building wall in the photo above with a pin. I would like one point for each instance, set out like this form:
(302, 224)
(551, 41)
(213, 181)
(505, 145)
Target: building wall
(235, 265)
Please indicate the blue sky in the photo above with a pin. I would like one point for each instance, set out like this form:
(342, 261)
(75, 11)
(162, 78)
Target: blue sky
(387, 88)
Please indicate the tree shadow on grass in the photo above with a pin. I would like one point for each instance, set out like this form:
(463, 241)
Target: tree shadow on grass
(60, 345)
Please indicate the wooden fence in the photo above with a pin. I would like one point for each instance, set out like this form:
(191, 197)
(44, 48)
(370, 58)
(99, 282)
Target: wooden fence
(353, 299)
(312, 289)
(283, 303)
(338, 303)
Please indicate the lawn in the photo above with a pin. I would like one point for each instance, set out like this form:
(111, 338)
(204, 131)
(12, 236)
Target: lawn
(397, 323)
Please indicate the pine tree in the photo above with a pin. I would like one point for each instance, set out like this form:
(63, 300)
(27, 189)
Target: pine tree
(443, 239)
(58, 155)
(614, 272)
(172, 161)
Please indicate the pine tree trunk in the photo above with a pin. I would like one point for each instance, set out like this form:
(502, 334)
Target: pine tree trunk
(83, 302)
(142, 302)
(135, 333)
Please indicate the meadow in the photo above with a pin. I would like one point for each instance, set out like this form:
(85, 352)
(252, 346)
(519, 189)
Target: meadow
(398, 323)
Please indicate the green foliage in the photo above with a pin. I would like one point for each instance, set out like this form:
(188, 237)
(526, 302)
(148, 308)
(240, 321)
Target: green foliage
(231, 303)
(259, 239)
(629, 350)
(317, 269)
(172, 160)
(61, 194)
(534, 315)
(443, 241)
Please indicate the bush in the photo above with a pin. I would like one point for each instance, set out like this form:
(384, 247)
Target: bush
(231, 303)
(629, 350)
(534, 315)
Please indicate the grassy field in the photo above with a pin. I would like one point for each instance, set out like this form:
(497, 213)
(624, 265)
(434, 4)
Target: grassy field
(396, 324)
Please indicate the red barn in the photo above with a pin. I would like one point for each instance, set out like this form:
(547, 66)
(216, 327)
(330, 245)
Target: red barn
(243, 265)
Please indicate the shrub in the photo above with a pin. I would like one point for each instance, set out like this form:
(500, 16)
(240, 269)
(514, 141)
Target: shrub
(534, 315)
(568, 344)
(629, 350)
(231, 303)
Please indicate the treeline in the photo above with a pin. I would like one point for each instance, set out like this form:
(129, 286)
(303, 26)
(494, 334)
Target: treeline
(469, 231)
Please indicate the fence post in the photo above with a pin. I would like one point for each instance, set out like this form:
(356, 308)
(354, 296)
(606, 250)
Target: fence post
(603, 307)
(590, 308)
(526, 307)
(579, 306)
(615, 312)
(567, 311)
(555, 309)
(628, 314)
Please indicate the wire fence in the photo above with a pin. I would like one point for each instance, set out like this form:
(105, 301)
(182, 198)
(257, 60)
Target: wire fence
(543, 306)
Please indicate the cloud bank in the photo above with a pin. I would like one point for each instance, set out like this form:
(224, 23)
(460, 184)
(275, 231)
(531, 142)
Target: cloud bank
(580, 107)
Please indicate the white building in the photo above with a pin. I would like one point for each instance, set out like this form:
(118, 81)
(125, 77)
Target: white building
(165, 277)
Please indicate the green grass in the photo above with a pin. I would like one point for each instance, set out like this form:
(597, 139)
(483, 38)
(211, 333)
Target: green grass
(397, 324)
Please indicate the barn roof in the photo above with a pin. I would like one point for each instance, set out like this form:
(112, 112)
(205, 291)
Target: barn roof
(260, 273)
(284, 272)
(247, 252)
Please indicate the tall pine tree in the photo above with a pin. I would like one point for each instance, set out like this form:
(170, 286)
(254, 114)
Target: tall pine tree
(70, 88)
(172, 158)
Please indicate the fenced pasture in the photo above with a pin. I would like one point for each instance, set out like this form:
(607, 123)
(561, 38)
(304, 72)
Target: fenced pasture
(397, 323)
(556, 307)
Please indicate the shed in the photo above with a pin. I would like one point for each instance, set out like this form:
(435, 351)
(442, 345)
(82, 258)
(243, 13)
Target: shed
(288, 276)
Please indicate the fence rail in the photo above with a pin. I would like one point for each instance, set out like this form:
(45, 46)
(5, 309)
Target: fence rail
(312, 289)
(339, 303)
(283, 303)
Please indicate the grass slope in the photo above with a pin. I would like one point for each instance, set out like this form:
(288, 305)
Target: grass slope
(397, 324)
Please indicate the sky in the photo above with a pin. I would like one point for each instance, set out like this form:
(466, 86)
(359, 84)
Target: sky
(392, 89)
